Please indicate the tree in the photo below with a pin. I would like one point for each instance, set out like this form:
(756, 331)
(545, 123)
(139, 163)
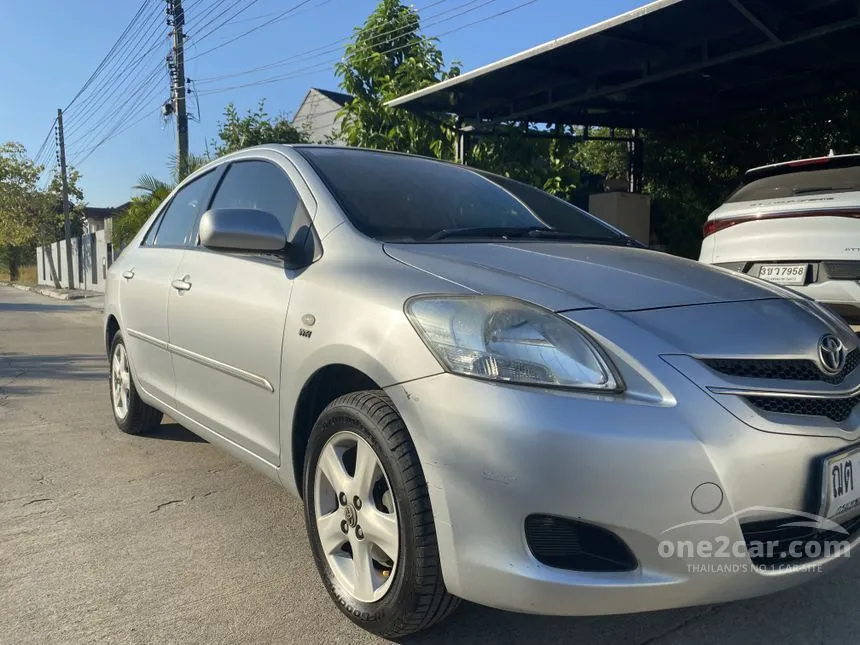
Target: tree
(128, 223)
(30, 216)
(153, 191)
(254, 129)
(20, 206)
(387, 58)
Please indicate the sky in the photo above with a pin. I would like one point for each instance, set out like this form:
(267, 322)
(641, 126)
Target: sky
(49, 48)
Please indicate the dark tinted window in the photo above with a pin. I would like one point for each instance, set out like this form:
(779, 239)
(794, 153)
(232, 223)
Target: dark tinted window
(556, 212)
(398, 197)
(178, 219)
(395, 196)
(800, 180)
(262, 186)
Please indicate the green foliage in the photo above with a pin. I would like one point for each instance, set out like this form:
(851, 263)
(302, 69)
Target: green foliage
(128, 223)
(254, 129)
(22, 205)
(542, 158)
(387, 58)
(153, 191)
(30, 216)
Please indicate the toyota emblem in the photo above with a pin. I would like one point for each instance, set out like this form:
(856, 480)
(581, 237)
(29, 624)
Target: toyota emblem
(831, 354)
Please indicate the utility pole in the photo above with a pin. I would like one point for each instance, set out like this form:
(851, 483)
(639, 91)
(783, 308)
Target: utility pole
(68, 226)
(177, 18)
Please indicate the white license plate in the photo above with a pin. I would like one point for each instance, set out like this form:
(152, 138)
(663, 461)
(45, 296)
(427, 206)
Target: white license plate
(842, 485)
(784, 273)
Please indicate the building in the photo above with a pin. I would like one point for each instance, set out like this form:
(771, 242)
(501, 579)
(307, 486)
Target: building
(318, 114)
(99, 219)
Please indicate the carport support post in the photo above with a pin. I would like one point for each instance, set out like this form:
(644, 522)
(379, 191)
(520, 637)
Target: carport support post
(461, 146)
(635, 162)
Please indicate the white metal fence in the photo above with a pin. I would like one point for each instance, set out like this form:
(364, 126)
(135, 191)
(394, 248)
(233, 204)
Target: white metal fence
(92, 254)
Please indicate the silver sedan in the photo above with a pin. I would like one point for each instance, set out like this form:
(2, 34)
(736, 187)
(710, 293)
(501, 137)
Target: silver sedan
(482, 392)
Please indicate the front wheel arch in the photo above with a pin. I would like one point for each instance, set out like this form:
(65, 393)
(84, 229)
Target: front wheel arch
(324, 386)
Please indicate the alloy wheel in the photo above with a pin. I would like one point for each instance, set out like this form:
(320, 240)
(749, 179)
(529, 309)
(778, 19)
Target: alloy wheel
(356, 520)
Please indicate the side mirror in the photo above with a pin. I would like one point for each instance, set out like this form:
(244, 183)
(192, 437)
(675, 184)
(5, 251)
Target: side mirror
(241, 229)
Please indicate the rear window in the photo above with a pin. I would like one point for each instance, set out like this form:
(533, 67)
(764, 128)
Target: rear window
(800, 180)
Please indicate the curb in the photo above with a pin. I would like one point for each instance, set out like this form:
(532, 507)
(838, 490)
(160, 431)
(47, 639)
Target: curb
(56, 294)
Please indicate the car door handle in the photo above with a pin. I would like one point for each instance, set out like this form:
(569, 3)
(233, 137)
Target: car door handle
(181, 285)
(128, 275)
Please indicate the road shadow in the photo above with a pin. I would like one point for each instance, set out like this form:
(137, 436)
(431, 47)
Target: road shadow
(473, 625)
(30, 307)
(172, 431)
(56, 367)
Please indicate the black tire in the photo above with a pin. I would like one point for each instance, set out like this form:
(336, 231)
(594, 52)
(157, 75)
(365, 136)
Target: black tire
(141, 418)
(417, 597)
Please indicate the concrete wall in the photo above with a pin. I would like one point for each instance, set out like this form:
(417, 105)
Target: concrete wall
(91, 258)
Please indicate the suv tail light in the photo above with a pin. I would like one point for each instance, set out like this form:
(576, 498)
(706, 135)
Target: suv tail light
(715, 225)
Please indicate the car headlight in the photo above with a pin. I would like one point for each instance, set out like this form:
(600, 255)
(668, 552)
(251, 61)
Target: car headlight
(508, 340)
(832, 318)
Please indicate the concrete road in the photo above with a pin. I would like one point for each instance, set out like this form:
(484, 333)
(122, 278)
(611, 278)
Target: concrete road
(107, 538)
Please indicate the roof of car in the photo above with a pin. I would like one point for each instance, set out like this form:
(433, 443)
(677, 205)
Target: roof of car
(811, 161)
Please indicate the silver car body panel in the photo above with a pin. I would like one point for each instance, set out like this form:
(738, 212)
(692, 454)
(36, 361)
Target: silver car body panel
(494, 453)
(562, 276)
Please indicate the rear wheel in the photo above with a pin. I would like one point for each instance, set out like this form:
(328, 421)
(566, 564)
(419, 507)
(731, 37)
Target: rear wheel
(369, 519)
(132, 415)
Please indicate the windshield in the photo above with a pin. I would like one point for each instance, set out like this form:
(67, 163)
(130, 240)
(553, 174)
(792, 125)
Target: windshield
(802, 180)
(410, 199)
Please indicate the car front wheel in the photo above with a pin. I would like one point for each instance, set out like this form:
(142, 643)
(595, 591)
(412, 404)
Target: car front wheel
(369, 519)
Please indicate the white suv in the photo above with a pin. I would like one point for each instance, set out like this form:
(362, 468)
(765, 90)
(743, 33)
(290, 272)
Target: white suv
(796, 224)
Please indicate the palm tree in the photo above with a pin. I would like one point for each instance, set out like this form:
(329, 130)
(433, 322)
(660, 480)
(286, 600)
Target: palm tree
(153, 192)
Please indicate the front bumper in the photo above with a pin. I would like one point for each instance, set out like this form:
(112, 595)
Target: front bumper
(494, 454)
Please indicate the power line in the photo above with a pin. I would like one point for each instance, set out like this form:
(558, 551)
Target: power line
(270, 14)
(250, 4)
(375, 40)
(196, 24)
(147, 113)
(321, 65)
(120, 63)
(281, 16)
(119, 102)
(124, 79)
(132, 118)
(109, 54)
(147, 89)
(44, 144)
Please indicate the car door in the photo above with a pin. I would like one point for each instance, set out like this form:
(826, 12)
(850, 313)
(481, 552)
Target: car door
(226, 320)
(145, 284)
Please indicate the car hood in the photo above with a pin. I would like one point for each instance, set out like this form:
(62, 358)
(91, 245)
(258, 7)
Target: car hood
(563, 276)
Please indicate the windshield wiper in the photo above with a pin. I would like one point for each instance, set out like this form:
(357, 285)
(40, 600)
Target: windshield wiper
(545, 233)
(484, 231)
(534, 232)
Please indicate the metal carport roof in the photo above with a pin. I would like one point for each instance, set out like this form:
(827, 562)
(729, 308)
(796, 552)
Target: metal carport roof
(668, 62)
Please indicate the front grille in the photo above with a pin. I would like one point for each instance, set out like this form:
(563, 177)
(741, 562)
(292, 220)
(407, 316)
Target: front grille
(775, 543)
(788, 370)
(576, 546)
(834, 409)
(845, 270)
